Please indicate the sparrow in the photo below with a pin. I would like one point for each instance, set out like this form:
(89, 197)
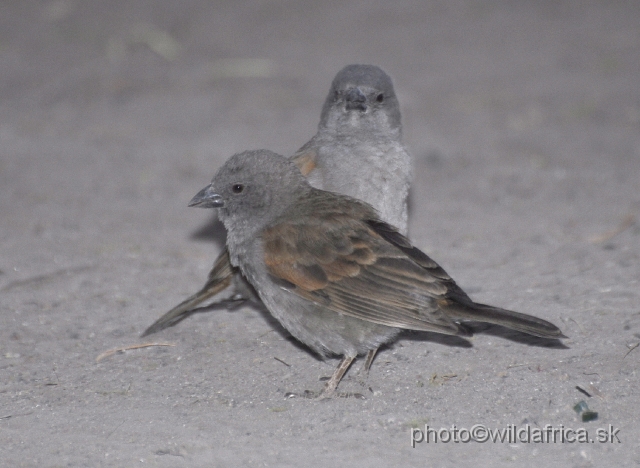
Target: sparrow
(339, 278)
(357, 151)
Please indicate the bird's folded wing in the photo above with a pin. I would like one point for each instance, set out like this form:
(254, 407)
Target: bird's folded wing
(305, 159)
(346, 265)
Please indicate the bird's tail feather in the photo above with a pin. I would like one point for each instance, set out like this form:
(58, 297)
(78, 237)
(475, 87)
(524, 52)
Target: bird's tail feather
(507, 318)
(219, 279)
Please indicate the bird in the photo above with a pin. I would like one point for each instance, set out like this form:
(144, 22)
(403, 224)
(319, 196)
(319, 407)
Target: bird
(331, 271)
(357, 151)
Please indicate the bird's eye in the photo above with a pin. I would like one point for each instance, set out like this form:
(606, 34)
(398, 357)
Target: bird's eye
(380, 97)
(237, 188)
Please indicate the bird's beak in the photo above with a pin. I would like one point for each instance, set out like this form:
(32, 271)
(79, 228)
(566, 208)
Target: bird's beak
(356, 100)
(207, 198)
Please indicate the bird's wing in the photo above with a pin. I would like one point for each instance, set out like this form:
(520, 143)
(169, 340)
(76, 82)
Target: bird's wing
(362, 269)
(305, 159)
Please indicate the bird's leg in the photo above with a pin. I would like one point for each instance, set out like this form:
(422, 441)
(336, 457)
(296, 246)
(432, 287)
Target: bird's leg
(371, 354)
(363, 373)
(332, 383)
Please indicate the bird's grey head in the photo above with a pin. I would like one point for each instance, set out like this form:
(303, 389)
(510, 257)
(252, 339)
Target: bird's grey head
(361, 98)
(251, 189)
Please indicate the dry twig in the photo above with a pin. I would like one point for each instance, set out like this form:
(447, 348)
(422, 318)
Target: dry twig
(122, 349)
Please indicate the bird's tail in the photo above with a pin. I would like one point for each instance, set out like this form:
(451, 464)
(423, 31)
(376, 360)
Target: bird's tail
(506, 318)
(219, 279)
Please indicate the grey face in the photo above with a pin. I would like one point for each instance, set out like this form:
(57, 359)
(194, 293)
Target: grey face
(361, 96)
(251, 188)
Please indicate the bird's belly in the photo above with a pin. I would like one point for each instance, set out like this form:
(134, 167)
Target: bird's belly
(323, 330)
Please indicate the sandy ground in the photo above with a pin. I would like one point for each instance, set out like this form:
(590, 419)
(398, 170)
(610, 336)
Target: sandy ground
(524, 122)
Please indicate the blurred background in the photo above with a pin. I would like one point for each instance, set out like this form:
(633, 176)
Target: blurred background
(523, 118)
